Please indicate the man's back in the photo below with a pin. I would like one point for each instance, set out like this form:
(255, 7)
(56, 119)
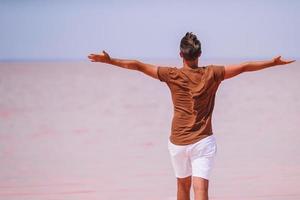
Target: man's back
(193, 94)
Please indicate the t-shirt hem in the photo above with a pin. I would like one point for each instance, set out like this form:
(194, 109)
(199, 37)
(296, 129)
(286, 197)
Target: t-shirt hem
(191, 142)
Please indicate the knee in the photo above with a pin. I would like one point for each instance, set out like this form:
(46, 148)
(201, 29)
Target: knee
(200, 189)
(184, 182)
(200, 185)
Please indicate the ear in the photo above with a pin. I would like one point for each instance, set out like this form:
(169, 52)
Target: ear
(180, 53)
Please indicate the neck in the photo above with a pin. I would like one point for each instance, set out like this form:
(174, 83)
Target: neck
(190, 64)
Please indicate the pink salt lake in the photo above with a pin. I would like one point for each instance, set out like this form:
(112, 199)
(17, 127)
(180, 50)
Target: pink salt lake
(80, 130)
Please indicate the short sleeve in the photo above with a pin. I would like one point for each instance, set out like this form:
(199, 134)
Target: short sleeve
(163, 73)
(219, 72)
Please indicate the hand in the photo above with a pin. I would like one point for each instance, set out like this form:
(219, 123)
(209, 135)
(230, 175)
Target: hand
(277, 61)
(103, 57)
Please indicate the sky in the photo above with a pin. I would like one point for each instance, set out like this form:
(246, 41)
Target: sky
(133, 29)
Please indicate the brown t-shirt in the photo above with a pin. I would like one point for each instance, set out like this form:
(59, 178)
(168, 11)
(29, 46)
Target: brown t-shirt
(193, 95)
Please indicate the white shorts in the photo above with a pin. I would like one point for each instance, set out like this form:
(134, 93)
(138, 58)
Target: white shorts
(194, 159)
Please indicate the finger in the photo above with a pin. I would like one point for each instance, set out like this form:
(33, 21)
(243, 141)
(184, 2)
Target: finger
(105, 53)
(288, 60)
(94, 56)
(291, 61)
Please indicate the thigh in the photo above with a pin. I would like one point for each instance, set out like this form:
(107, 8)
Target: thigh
(202, 158)
(180, 160)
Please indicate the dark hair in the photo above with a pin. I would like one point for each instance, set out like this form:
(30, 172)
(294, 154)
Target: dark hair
(190, 46)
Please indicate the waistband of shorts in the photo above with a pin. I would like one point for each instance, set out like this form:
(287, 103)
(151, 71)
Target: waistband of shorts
(208, 138)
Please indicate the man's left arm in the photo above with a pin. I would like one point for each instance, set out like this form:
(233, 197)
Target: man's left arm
(148, 69)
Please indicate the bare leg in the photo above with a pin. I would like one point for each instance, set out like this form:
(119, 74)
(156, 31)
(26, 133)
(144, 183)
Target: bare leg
(200, 186)
(183, 188)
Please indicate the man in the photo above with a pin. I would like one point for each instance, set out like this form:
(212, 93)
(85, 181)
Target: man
(192, 145)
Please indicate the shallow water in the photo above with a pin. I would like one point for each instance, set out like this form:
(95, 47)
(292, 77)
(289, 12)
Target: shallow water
(79, 130)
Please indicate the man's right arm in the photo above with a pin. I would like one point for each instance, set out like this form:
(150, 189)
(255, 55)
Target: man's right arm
(148, 69)
(233, 70)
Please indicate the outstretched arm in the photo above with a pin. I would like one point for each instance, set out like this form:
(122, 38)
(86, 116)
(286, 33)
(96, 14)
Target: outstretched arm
(148, 69)
(233, 70)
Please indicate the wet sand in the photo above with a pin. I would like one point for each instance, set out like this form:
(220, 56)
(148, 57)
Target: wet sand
(79, 130)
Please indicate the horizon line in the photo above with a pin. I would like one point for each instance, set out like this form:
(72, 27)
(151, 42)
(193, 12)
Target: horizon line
(140, 58)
